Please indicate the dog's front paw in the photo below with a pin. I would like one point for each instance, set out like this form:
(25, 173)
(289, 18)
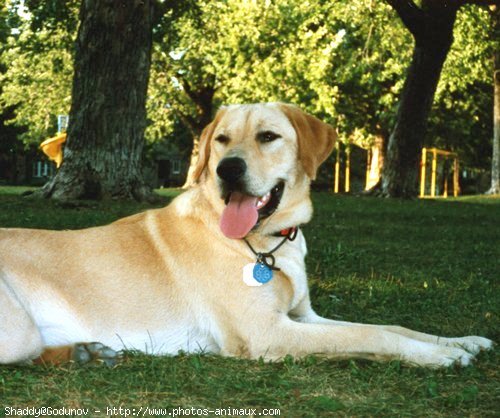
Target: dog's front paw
(94, 353)
(472, 344)
(454, 356)
(438, 356)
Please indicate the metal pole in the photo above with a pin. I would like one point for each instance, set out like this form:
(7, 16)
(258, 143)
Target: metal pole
(368, 161)
(347, 169)
(337, 170)
(433, 174)
(456, 186)
(423, 162)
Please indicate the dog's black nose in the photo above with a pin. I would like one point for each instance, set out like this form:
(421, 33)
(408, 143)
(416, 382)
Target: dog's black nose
(231, 169)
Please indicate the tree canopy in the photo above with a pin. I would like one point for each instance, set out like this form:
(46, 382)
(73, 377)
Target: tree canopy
(344, 61)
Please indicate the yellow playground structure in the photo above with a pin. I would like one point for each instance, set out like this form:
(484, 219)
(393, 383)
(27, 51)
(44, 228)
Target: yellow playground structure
(439, 171)
(440, 176)
(53, 147)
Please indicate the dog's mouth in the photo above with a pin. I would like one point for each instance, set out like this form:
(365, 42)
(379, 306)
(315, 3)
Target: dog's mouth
(243, 212)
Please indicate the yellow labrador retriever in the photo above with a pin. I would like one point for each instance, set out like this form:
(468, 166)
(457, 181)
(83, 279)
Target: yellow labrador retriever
(220, 270)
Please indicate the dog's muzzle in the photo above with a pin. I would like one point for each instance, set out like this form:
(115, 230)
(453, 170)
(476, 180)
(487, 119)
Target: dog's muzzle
(243, 210)
(231, 170)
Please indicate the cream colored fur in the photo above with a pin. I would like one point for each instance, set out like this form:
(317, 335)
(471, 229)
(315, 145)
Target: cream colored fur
(169, 280)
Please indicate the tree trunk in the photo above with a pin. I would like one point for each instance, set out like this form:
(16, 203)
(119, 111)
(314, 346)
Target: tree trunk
(376, 163)
(204, 118)
(432, 28)
(193, 160)
(195, 126)
(400, 174)
(103, 152)
(202, 97)
(495, 158)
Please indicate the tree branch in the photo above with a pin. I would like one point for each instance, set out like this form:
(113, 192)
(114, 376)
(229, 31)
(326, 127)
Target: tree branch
(431, 24)
(193, 95)
(411, 15)
(201, 97)
(189, 122)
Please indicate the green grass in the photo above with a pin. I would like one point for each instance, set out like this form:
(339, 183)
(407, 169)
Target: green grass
(431, 265)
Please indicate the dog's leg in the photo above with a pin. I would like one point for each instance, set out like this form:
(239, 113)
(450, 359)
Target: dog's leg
(285, 336)
(472, 344)
(82, 353)
(20, 340)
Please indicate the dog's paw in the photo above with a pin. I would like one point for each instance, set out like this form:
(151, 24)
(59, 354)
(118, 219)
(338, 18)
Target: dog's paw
(472, 344)
(455, 356)
(95, 353)
(438, 356)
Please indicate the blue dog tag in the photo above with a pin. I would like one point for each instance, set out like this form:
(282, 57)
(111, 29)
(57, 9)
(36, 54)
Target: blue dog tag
(262, 273)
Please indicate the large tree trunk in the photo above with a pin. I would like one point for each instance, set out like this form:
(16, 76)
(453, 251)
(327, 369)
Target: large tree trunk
(495, 158)
(103, 153)
(432, 29)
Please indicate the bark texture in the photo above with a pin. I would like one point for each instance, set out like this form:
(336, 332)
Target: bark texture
(103, 153)
(432, 28)
(495, 157)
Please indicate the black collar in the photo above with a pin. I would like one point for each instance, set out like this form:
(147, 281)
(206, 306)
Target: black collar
(267, 258)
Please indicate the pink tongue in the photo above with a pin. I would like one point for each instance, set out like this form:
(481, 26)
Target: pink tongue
(239, 216)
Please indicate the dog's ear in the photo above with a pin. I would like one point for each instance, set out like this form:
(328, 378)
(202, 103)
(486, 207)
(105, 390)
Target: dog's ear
(316, 139)
(204, 145)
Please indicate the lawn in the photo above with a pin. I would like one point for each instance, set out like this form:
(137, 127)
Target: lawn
(431, 265)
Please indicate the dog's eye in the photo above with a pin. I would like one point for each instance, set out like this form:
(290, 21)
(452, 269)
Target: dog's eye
(267, 136)
(223, 139)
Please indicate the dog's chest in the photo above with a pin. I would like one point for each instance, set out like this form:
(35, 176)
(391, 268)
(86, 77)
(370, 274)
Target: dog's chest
(292, 265)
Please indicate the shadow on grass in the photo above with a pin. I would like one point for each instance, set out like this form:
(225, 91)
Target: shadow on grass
(29, 212)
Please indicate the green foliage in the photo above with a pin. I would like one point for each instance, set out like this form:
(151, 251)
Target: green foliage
(371, 68)
(324, 56)
(9, 132)
(461, 118)
(344, 61)
(4, 27)
(8, 19)
(52, 14)
(37, 80)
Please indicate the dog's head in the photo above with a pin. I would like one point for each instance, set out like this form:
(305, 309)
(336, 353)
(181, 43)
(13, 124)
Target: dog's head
(258, 161)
